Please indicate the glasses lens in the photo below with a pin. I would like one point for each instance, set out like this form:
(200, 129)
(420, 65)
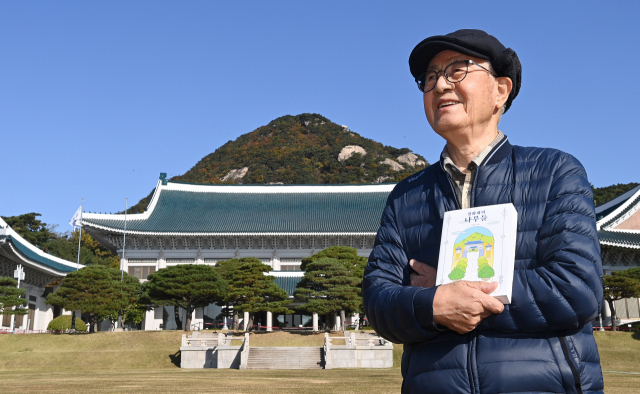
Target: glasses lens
(427, 81)
(456, 72)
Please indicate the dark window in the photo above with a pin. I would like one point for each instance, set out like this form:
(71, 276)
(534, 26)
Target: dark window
(6, 320)
(142, 272)
(18, 321)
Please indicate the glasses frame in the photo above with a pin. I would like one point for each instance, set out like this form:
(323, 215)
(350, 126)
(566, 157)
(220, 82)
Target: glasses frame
(447, 77)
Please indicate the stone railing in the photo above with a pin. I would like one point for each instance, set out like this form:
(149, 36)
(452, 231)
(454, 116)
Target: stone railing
(214, 351)
(359, 351)
(202, 340)
(244, 353)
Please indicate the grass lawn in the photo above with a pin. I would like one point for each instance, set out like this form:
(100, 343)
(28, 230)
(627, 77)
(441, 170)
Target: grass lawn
(145, 362)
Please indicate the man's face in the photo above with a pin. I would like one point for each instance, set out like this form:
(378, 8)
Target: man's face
(464, 106)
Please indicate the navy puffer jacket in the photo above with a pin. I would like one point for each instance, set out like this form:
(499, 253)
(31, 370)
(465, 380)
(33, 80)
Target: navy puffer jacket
(542, 342)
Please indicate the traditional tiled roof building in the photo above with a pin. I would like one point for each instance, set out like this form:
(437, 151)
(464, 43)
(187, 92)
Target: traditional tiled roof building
(618, 224)
(279, 224)
(41, 270)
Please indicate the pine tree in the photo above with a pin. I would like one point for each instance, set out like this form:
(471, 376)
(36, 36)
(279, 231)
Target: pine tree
(327, 286)
(186, 286)
(619, 286)
(97, 290)
(253, 291)
(349, 257)
(226, 269)
(11, 296)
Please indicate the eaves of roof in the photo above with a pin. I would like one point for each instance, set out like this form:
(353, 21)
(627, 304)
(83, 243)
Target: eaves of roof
(623, 239)
(303, 210)
(40, 261)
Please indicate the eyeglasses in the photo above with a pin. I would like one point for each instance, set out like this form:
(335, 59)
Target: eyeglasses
(454, 73)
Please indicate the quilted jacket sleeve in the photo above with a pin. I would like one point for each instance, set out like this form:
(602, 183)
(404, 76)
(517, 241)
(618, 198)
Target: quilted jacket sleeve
(564, 289)
(398, 312)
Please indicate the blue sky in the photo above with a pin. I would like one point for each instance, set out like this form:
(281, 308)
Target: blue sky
(97, 98)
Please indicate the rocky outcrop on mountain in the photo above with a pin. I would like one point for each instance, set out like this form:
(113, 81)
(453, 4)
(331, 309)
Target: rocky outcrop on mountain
(394, 165)
(349, 150)
(411, 159)
(236, 174)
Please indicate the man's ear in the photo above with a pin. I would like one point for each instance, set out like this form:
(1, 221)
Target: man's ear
(504, 89)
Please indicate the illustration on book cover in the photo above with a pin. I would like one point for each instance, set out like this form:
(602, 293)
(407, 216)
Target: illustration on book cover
(479, 244)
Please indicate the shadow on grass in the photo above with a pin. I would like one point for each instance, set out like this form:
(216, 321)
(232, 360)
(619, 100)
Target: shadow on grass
(175, 358)
(636, 335)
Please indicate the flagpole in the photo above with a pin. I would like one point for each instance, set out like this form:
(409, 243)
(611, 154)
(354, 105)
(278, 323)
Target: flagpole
(80, 237)
(124, 241)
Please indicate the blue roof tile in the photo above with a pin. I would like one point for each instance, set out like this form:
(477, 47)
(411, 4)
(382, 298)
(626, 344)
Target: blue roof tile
(288, 283)
(205, 212)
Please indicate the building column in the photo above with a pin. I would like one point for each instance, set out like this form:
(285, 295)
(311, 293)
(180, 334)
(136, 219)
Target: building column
(162, 262)
(315, 321)
(606, 314)
(245, 321)
(337, 326)
(275, 261)
(269, 321)
(124, 264)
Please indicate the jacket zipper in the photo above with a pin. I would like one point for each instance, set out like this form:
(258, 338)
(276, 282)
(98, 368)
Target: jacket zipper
(574, 370)
(470, 357)
(472, 350)
(455, 195)
(471, 363)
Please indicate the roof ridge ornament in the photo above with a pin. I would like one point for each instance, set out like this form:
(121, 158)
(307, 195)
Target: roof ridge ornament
(163, 178)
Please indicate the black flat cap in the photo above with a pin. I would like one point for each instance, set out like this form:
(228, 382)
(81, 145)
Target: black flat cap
(476, 43)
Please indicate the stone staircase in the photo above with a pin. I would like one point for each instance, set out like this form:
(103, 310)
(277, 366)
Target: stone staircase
(285, 358)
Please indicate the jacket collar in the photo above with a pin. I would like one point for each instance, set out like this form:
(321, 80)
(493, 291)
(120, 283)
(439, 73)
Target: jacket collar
(496, 155)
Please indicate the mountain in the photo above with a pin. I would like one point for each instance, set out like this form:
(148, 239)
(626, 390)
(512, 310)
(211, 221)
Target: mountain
(301, 149)
(311, 149)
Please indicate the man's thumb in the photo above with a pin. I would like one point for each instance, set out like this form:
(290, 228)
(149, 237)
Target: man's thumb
(488, 288)
(484, 287)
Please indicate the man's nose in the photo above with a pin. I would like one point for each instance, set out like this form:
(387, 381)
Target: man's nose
(442, 84)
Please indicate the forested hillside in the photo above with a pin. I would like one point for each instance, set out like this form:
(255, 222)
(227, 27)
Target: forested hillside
(302, 149)
(604, 194)
(311, 149)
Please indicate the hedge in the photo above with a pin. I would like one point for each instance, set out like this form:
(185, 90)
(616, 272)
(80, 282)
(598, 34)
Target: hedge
(63, 323)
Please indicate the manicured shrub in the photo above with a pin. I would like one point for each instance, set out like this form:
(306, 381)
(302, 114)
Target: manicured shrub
(486, 272)
(63, 323)
(456, 274)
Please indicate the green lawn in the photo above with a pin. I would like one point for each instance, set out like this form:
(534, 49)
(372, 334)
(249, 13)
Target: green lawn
(145, 362)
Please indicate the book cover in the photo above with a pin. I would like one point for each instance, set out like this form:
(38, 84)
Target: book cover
(479, 244)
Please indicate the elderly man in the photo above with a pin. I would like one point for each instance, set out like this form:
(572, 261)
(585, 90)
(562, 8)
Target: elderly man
(457, 338)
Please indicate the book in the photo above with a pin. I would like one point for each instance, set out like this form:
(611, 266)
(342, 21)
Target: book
(479, 244)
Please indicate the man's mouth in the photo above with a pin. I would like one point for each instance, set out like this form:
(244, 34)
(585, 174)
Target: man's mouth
(447, 104)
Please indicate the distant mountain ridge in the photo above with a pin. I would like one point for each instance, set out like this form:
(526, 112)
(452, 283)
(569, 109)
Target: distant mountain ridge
(301, 149)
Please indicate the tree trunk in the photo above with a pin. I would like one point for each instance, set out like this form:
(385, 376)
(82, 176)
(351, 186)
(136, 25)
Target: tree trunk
(235, 319)
(328, 319)
(342, 320)
(613, 315)
(123, 318)
(187, 319)
(73, 321)
(361, 321)
(250, 323)
(176, 316)
(93, 322)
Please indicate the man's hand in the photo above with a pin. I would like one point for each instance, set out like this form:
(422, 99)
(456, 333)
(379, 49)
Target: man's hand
(462, 305)
(424, 275)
